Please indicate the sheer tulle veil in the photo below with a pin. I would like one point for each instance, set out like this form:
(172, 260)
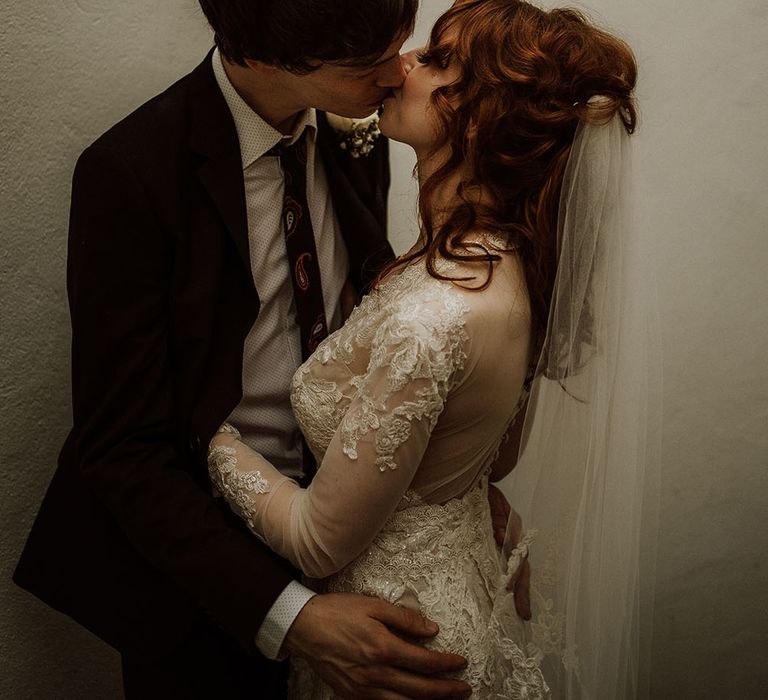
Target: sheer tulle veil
(586, 484)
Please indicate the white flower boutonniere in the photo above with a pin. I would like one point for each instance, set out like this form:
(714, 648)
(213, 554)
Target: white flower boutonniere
(356, 136)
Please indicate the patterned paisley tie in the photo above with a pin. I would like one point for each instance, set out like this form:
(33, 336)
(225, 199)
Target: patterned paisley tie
(302, 258)
(300, 245)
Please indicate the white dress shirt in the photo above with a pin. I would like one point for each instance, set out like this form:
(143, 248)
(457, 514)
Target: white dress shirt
(272, 351)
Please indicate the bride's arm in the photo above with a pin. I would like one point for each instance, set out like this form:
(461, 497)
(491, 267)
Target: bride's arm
(368, 465)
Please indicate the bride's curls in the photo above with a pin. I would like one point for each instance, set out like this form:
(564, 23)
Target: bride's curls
(526, 78)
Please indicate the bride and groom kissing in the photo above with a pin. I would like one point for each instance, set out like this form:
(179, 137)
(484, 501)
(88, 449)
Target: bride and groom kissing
(237, 424)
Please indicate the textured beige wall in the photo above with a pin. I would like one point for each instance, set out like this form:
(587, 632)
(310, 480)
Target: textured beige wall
(71, 69)
(702, 176)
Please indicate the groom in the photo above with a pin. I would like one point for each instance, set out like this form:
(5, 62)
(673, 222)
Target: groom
(183, 317)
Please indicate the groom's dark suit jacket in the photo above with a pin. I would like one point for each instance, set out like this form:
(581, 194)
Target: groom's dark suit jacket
(129, 541)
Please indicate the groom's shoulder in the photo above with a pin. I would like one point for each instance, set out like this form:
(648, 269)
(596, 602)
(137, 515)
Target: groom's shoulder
(161, 124)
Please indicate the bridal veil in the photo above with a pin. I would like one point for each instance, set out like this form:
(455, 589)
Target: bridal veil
(586, 484)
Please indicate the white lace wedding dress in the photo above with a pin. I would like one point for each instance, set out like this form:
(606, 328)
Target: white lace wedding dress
(405, 408)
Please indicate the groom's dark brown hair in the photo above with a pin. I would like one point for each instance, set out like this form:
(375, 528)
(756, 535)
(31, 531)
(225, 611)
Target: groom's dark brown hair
(297, 34)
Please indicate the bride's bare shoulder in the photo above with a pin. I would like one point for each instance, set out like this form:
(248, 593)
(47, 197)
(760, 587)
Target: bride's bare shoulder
(492, 280)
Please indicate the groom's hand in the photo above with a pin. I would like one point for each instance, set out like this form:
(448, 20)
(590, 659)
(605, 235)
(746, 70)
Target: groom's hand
(354, 643)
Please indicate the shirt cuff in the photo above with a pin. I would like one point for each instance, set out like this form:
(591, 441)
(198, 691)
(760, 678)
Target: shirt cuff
(282, 614)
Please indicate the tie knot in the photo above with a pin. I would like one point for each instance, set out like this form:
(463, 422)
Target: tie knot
(295, 151)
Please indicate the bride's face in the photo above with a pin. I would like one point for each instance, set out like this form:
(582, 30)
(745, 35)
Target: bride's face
(407, 114)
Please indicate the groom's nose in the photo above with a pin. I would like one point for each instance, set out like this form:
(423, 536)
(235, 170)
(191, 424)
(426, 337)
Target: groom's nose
(392, 73)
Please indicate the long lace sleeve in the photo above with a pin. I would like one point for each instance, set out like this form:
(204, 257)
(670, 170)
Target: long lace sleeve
(371, 458)
(241, 475)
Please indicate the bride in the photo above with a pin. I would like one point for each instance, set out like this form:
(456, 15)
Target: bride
(418, 401)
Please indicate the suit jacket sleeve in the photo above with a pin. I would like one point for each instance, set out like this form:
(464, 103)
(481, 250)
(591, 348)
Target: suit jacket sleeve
(120, 271)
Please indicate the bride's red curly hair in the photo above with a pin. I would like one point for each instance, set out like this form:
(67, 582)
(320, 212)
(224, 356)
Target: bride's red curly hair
(526, 76)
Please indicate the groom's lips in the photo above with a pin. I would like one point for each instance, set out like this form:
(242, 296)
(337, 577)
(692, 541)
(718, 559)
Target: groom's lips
(389, 96)
(377, 103)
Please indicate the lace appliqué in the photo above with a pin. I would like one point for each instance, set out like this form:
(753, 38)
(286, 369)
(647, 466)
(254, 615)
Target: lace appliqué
(442, 561)
(389, 333)
(517, 676)
(546, 638)
(517, 555)
(548, 623)
(408, 351)
(233, 484)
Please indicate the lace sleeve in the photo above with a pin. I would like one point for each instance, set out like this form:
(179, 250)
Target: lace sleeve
(371, 459)
(408, 378)
(242, 476)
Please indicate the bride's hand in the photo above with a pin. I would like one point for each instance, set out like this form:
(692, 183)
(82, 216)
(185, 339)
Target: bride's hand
(502, 516)
(500, 511)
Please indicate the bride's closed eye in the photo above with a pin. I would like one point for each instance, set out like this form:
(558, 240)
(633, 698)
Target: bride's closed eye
(423, 57)
(439, 57)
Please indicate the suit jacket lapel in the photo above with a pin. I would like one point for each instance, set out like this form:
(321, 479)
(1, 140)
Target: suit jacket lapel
(214, 138)
(358, 189)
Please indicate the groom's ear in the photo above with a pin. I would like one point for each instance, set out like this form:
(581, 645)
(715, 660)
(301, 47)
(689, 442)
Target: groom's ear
(260, 67)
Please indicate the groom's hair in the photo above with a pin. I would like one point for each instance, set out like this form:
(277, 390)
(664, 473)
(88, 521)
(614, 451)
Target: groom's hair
(297, 35)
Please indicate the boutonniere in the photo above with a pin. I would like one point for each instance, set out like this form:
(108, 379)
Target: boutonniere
(356, 136)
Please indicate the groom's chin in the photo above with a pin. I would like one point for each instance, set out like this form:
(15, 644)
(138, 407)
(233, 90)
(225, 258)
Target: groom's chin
(361, 113)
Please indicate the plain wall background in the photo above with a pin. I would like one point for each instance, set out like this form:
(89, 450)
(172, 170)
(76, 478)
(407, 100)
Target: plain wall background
(71, 69)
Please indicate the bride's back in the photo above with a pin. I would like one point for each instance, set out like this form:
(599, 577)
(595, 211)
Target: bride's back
(479, 408)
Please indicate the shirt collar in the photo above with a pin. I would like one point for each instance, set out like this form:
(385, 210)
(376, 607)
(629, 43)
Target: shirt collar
(255, 135)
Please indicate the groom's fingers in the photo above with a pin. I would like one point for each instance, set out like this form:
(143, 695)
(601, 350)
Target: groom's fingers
(396, 684)
(385, 682)
(355, 644)
(415, 657)
(404, 620)
(412, 667)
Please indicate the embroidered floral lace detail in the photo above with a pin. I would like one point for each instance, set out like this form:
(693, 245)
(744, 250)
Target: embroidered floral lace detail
(518, 553)
(408, 347)
(517, 676)
(548, 625)
(407, 352)
(233, 484)
(442, 561)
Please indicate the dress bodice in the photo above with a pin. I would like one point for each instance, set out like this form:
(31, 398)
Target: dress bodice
(413, 395)
(420, 349)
